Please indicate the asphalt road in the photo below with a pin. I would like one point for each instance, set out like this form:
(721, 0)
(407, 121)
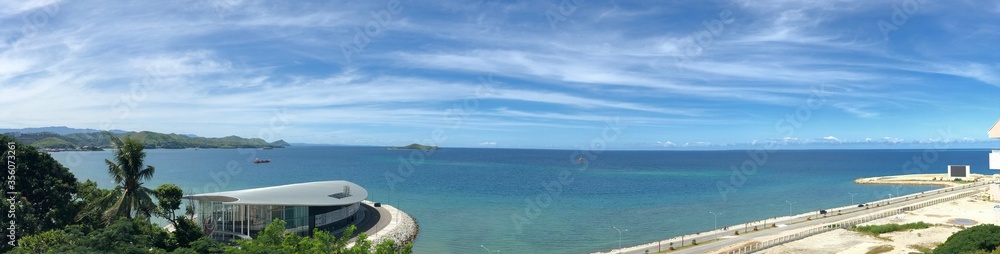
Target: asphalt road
(376, 218)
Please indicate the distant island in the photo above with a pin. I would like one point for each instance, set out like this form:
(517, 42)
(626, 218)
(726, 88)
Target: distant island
(97, 141)
(413, 146)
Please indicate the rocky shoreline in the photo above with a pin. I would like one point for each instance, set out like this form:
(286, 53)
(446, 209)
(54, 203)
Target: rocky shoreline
(401, 230)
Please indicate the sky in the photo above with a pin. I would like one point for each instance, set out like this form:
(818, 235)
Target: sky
(511, 74)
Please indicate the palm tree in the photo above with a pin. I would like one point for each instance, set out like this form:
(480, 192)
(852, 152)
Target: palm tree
(129, 196)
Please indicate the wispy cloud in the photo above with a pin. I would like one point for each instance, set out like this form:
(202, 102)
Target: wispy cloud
(181, 65)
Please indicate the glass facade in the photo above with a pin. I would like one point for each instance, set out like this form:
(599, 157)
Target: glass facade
(297, 220)
(225, 222)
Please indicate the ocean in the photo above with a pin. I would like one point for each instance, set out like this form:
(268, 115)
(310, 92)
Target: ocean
(555, 201)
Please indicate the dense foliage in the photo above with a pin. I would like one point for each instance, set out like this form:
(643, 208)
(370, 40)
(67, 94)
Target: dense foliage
(978, 239)
(122, 236)
(46, 190)
(274, 240)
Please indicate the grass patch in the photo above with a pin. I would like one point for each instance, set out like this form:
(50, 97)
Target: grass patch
(876, 230)
(880, 249)
(922, 249)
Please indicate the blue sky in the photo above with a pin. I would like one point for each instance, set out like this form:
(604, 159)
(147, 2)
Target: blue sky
(532, 74)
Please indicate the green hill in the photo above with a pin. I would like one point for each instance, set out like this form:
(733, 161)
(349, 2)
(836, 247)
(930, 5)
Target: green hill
(414, 146)
(280, 143)
(150, 139)
(54, 143)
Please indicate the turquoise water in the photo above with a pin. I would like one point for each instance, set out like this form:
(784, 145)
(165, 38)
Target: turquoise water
(464, 198)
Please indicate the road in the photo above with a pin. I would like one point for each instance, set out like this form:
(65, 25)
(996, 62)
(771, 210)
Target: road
(726, 238)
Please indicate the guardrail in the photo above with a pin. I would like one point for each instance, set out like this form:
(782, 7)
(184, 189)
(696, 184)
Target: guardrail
(849, 223)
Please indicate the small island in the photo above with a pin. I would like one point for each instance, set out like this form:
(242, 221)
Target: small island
(413, 146)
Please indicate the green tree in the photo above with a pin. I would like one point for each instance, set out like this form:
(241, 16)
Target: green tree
(47, 242)
(207, 245)
(168, 198)
(122, 236)
(979, 238)
(128, 235)
(186, 231)
(274, 240)
(129, 197)
(89, 195)
(45, 190)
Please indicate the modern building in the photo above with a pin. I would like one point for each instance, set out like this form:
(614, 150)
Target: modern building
(995, 155)
(241, 214)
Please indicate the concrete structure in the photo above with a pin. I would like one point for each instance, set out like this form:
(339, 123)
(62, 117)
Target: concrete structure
(327, 205)
(994, 192)
(995, 155)
(956, 172)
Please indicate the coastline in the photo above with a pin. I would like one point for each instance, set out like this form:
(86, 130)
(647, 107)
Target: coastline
(945, 219)
(662, 246)
(401, 228)
(922, 179)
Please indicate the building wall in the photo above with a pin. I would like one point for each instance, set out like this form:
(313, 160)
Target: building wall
(994, 191)
(333, 218)
(995, 159)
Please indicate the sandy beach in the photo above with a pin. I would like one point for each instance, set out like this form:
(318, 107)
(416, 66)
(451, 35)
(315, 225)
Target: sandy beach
(957, 207)
(951, 214)
(946, 218)
(924, 179)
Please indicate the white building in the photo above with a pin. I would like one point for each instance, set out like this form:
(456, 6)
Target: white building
(995, 155)
(241, 214)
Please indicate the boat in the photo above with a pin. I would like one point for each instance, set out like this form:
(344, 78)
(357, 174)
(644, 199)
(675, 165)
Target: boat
(259, 161)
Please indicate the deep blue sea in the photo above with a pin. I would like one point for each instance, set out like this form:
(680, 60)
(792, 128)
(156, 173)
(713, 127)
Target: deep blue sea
(505, 199)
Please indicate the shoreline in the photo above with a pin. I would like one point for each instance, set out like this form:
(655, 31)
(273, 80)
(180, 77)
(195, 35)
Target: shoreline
(944, 219)
(941, 180)
(916, 179)
(401, 228)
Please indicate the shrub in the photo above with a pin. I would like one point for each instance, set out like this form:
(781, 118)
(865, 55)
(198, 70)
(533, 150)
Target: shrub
(880, 249)
(882, 229)
(983, 237)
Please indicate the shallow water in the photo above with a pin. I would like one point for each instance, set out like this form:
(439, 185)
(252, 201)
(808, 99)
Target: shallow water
(464, 198)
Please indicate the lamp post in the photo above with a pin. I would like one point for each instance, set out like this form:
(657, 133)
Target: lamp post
(789, 207)
(619, 238)
(852, 197)
(488, 249)
(716, 219)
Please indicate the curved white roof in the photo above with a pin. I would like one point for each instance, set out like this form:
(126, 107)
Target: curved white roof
(325, 193)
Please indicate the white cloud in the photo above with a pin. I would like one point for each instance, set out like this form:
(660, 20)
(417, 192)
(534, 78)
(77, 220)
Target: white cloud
(220, 64)
(857, 110)
(666, 144)
(892, 140)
